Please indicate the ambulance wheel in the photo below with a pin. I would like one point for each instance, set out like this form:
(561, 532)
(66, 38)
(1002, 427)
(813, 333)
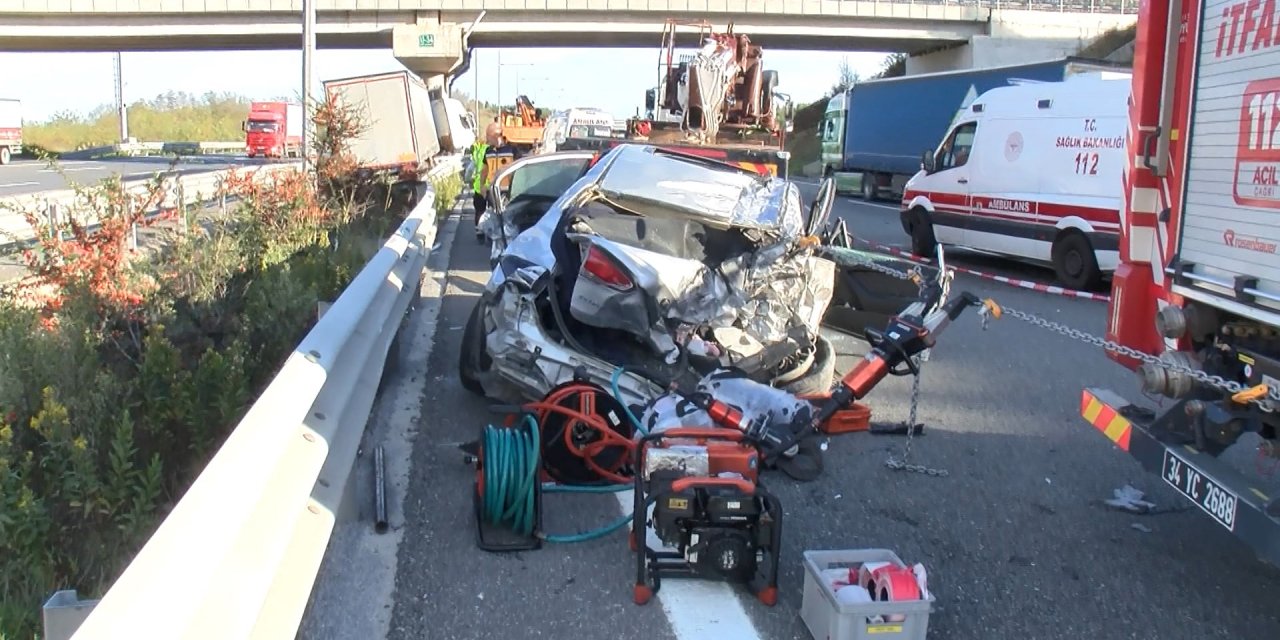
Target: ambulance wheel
(1074, 261)
(922, 241)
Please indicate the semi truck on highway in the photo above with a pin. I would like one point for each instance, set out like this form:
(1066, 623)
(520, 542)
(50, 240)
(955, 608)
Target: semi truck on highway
(873, 133)
(719, 102)
(10, 129)
(273, 130)
(1195, 300)
(406, 126)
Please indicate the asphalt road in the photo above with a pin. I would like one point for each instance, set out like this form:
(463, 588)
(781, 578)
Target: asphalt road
(1016, 539)
(30, 176)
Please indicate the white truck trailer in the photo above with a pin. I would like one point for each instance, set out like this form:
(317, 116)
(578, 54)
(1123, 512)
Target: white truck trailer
(10, 129)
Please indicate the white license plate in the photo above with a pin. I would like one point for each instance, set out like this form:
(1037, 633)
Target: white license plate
(1201, 489)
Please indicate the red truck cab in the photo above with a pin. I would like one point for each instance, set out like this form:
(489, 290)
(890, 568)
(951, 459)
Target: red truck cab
(273, 130)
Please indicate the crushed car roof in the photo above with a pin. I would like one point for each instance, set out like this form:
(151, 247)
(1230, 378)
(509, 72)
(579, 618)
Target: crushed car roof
(718, 194)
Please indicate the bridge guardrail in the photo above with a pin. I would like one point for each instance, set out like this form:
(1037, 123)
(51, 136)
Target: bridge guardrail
(179, 190)
(1061, 6)
(238, 555)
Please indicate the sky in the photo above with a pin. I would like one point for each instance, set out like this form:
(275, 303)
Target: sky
(615, 80)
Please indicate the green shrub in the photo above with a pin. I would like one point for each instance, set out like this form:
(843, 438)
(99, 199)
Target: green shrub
(119, 380)
(447, 189)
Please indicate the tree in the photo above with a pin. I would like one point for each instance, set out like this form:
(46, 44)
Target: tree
(895, 65)
(848, 77)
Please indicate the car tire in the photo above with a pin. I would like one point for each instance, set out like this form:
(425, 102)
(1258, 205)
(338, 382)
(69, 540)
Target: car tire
(1074, 261)
(869, 187)
(821, 374)
(474, 361)
(923, 242)
(5, 155)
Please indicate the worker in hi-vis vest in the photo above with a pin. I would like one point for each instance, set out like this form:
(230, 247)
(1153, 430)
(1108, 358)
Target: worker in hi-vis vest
(488, 159)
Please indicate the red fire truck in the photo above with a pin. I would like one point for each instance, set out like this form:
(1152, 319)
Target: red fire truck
(1195, 302)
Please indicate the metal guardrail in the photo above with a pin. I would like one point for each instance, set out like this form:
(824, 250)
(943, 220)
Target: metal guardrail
(1060, 6)
(238, 555)
(54, 206)
(181, 148)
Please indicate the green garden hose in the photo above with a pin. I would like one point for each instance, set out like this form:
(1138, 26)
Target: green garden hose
(511, 465)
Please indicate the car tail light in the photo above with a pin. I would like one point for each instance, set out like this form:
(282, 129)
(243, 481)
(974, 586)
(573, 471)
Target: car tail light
(604, 269)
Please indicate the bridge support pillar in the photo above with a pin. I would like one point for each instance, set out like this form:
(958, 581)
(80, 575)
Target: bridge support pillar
(429, 48)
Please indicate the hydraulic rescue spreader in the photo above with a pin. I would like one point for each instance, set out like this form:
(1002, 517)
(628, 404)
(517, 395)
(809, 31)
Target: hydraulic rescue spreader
(892, 353)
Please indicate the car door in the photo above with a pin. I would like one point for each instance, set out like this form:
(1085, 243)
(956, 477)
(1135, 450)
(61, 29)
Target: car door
(950, 178)
(525, 189)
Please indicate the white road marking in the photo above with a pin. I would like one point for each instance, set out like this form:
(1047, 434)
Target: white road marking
(93, 168)
(872, 204)
(699, 609)
(15, 184)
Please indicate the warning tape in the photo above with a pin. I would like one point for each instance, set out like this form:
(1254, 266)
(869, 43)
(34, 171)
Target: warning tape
(1025, 284)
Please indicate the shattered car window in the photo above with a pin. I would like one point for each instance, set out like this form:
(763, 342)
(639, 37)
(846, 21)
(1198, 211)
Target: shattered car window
(677, 237)
(546, 179)
(719, 195)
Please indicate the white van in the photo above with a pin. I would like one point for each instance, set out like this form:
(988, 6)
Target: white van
(1030, 171)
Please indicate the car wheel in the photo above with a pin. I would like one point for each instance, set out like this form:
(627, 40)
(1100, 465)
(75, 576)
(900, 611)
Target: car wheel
(821, 373)
(4, 155)
(474, 360)
(923, 243)
(1075, 262)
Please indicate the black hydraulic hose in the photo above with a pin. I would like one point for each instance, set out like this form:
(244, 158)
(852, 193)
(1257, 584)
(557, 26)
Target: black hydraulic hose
(552, 292)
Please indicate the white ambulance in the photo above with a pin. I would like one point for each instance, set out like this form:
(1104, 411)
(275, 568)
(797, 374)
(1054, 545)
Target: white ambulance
(581, 122)
(1031, 171)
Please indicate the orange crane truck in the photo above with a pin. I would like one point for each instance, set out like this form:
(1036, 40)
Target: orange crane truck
(719, 102)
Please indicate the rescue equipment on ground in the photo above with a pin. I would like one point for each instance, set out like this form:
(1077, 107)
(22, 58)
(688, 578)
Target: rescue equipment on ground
(710, 515)
(855, 594)
(577, 439)
(699, 508)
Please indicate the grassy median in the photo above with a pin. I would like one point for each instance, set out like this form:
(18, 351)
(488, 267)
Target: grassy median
(120, 377)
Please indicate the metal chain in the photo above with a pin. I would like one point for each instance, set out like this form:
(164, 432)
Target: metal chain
(891, 461)
(1217, 382)
(904, 463)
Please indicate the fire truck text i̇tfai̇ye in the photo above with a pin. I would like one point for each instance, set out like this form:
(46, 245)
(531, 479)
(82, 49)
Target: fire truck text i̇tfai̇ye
(1195, 302)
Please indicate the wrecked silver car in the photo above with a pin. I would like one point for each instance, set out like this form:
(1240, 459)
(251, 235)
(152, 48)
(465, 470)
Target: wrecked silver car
(666, 265)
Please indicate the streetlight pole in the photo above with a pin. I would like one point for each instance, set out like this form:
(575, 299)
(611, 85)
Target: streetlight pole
(308, 51)
(121, 111)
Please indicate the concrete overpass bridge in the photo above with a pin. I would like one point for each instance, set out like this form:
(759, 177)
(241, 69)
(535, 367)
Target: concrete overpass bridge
(432, 36)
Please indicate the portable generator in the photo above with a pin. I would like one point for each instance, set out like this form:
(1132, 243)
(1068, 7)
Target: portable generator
(698, 491)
